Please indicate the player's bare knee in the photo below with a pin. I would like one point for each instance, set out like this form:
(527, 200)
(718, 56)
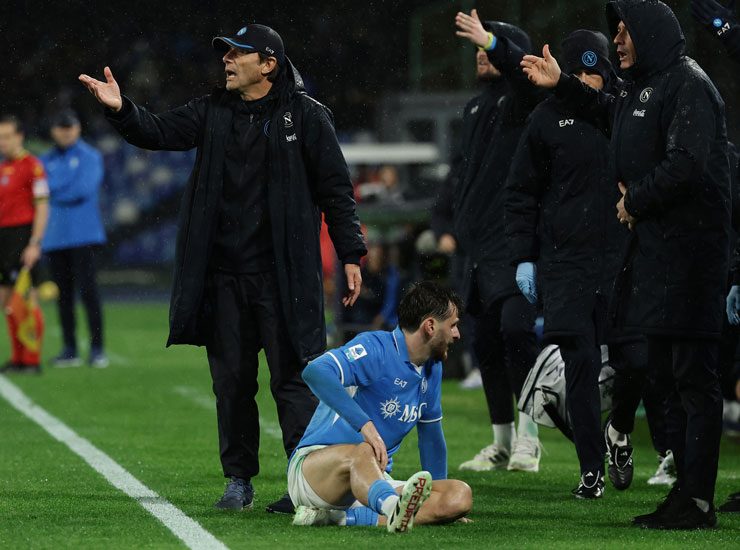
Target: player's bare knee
(457, 501)
(361, 454)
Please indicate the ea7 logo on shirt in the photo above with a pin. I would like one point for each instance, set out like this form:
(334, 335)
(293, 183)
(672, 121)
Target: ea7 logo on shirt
(355, 352)
(639, 113)
(645, 95)
(399, 382)
(566, 122)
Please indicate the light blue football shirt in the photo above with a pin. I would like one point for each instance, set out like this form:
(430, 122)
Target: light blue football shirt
(375, 369)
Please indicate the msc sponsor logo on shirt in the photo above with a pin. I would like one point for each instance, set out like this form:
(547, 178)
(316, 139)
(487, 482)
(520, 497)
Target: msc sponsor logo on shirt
(411, 413)
(355, 352)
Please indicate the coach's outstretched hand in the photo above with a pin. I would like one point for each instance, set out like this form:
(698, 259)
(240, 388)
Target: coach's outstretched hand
(372, 438)
(542, 71)
(107, 93)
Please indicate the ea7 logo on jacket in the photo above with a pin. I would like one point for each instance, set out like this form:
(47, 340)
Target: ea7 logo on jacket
(566, 122)
(645, 95)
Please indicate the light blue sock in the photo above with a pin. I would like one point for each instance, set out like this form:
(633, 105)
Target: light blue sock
(379, 491)
(361, 516)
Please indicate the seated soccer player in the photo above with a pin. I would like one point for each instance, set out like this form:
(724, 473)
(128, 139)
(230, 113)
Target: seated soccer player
(373, 391)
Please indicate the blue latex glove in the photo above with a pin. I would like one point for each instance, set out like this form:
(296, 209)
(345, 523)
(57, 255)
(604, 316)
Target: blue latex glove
(733, 305)
(526, 280)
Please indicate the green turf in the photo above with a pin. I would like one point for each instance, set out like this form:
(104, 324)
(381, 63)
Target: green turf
(152, 411)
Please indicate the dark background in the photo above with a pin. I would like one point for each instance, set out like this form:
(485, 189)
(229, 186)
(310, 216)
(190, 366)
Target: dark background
(349, 52)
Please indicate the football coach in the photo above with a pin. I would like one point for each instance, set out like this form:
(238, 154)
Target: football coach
(247, 265)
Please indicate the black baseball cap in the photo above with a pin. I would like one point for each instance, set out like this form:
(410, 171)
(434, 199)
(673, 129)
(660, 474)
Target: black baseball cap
(253, 38)
(66, 118)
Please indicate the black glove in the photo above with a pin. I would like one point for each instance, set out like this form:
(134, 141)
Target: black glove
(713, 15)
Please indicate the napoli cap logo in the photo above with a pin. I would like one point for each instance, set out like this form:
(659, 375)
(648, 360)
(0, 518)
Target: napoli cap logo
(645, 95)
(242, 31)
(717, 23)
(589, 58)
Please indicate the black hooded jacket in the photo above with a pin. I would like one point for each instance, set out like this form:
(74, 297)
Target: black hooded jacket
(307, 176)
(560, 207)
(492, 125)
(669, 147)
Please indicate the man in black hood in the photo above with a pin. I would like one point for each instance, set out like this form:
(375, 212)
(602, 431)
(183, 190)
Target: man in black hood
(559, 215)
(669, 156)
(504, 340)
(248, 266)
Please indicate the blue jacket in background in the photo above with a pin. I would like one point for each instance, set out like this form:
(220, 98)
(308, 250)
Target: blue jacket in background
(75, 175)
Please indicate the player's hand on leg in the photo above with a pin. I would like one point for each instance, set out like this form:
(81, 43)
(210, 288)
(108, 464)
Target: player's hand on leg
(372, 438)
(107, 93)
(354, 284)
(542, 71)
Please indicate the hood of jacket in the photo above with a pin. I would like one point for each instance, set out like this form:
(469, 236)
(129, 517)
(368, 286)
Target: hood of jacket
(655, 32)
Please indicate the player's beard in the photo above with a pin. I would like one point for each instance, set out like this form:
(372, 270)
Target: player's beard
(439, 350)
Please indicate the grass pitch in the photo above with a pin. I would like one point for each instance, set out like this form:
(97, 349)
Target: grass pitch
(153, 412)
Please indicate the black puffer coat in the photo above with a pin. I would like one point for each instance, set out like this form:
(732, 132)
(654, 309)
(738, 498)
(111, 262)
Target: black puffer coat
(560, 214)
(308, 175)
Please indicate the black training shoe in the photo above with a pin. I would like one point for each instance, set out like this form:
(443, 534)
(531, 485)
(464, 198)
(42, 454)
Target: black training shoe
(238, 495)
(9, 366)
(664, 507)
(732, 504)
(19, 368)
(590, 487)
(684, 514)
(620, 467)
(281, 506)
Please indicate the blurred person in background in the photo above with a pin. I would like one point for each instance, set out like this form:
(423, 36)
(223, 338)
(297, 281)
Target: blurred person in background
(375, 308)
(504, 339)
(75, 231)
(248, 266)
(24, 211)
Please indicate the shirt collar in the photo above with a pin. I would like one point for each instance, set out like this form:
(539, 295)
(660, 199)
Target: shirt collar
(399, 340)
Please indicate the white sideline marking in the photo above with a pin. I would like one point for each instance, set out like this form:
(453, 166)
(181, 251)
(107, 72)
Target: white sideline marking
(182, 526)
(207, 402)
